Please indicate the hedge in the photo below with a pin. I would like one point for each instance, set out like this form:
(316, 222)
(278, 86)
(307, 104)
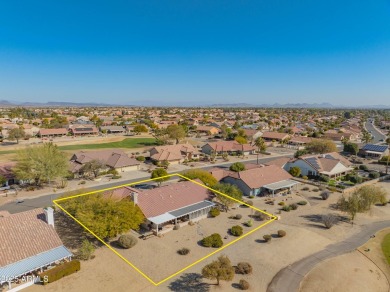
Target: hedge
(60, 271)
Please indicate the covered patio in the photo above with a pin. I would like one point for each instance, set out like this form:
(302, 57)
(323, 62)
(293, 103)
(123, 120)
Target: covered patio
(11, 273)
(284, 186)
(165, 222)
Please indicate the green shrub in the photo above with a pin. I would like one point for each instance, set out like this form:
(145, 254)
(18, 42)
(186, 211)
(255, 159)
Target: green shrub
(238, 216)
(140, 158)
(293, 206)
(356, 179)
(374, 174)
(305, 188)
(316, 190)
(251, 197)
(305, 177)
(116, 177)
(281, 203)
(324, 178)
(244, 268)
(249, 223)
(363, 167)
(302, 203)
(267, 237)
(176, 227)
(214, 240)
(60, 271)
(236, 230)
(214, 212)
(86, 250)
(286, 208)
(183, 251)
(281, 233)
(244, 285)
(127, 241)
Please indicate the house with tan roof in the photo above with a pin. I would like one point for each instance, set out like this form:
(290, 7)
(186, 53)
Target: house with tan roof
(174, 154)
(328, 164)
(29, 243)
(275, 136)
(49, 133)
(261, 180)
(228, 147)
(168, 205)
(112, 159)
(207, 130)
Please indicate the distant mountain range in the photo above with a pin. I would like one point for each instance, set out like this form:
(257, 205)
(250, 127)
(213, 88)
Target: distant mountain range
(324, 105)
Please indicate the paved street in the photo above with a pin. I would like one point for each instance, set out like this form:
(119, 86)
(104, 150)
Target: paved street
(46, 200)
(375, 133)
(289, 278)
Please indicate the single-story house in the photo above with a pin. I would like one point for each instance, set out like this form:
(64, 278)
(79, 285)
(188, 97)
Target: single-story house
(113, 129)
(229, 147)
(208, 130)
(260, 181)
(163, 207)
(29, 243)
(299, 142)
(52, 132)
(329, 164)
(82, 130)
(275, 136)
(374, 151)
(174, 154)
(112, 159)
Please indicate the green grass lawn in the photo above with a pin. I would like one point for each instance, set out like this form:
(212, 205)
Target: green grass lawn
(386, 247)
(125, 143)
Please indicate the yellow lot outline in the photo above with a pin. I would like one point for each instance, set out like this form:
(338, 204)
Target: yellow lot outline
(272, 218)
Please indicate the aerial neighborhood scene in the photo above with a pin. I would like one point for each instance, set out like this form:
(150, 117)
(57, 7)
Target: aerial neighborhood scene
(195, 146)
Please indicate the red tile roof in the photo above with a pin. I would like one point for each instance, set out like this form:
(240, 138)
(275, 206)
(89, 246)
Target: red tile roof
(166, 198)
(25, 234)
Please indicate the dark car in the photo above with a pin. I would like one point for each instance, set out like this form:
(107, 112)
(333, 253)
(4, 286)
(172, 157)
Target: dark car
(144, 186)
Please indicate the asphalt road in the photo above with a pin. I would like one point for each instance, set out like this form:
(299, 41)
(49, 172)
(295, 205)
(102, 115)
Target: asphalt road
(46, 200)
(289, 278)
(375, 133)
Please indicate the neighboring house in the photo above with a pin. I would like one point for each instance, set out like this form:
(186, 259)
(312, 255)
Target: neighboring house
(208, 130)
(252, 134)
(260, 181)
(229, 147)
(275, 136)
(112, 159)
(374, 151)
(298, 142)
(329, 164)
(168, 205)
(336, 136)
(113, 129)
(82, 130)
(29, 243)
(49, 133)
(7, 173)
(174, 154)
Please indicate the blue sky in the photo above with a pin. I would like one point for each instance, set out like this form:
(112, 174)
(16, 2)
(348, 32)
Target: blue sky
(196, 52)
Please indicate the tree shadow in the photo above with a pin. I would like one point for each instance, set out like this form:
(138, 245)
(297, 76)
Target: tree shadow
(189, 282)
(260, 241)
(316, 218)
(236, 286)
(71, 233)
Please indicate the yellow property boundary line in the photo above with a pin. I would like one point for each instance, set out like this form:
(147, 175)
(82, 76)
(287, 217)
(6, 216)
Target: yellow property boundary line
(273, 218)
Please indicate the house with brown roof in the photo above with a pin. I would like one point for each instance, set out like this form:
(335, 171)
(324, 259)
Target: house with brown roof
(275, 136)
(261, 180)
(112, 159)
(207, 130)
(29, 243)
(168, 205)
(83, 130)
(329, 164)
(49, 133)
(228, 147)
(174, 154)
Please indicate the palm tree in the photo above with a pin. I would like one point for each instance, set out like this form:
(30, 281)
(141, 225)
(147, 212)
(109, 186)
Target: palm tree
(260, 144)
(367, 137)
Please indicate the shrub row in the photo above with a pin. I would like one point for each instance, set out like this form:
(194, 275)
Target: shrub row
(60, 271)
